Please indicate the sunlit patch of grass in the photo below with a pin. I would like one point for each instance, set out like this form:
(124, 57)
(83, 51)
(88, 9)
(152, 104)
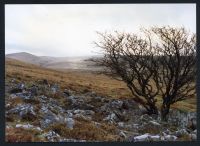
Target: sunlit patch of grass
(185, 106)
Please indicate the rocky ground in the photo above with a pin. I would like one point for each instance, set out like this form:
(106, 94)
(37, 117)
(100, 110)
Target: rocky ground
(40, 111)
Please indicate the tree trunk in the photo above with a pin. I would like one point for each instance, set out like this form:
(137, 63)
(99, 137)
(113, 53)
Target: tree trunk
(151, 109)
(164, 111)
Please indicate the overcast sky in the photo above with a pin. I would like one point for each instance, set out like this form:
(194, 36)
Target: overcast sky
(69, 30)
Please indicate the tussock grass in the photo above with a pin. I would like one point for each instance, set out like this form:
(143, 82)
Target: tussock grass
(23, 135)
(87, 130)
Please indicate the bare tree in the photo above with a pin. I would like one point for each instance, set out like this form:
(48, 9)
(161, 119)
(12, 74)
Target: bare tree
(130, 58)
(176, 49)
(162, 62)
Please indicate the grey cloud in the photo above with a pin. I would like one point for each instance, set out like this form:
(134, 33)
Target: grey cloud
(69, 30)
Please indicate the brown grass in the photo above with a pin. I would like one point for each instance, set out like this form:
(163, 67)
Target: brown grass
(80, 81)
(88, 131)
(15, 102)
(22, 135)
(184, 138)
(150, 129)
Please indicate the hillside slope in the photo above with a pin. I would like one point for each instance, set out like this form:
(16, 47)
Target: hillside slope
(78, 106)
(27, 57)
(54, 62)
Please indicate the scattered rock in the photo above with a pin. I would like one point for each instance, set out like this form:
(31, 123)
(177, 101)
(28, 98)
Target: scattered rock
(54, 88)
(85, 114)
(195, 131)
(146, 118)
(193, 136)
(50, 118)
(67, 92)
(144, 137)
(98, 98)
(154, 138)
(34, 90)
(20, 86)
(192, 124)
(13, 96)
(51, 113)
(122, 134)
(97, 124)
(72, 140)
(121, 124)
(169, 138)
(8, 126)
(167, 132)
(111, 118)
(121, 116)
(148, 137)
(69, 113)
(135, 126)
(24, 126)
(43, 97)
(181, 132)
(129, 104)
(52, 136)
(70, 123)
(182, 119)
(154, 123)
(13, 81)
(8, 106)
(28, 126)
(149, 127)
(125, 115)
(116, 104)
(26, 95)
(25, 111)
(71, 99)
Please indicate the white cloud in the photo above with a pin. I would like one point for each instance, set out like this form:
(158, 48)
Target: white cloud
(69, 30)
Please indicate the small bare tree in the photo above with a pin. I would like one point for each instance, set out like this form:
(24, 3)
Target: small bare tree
(131, 59)
(166, 67)
(176, 49)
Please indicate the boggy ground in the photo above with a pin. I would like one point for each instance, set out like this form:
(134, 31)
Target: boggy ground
(47, 105)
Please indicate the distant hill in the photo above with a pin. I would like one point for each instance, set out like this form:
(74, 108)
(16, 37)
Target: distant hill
(25, 57)
(55, 62)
